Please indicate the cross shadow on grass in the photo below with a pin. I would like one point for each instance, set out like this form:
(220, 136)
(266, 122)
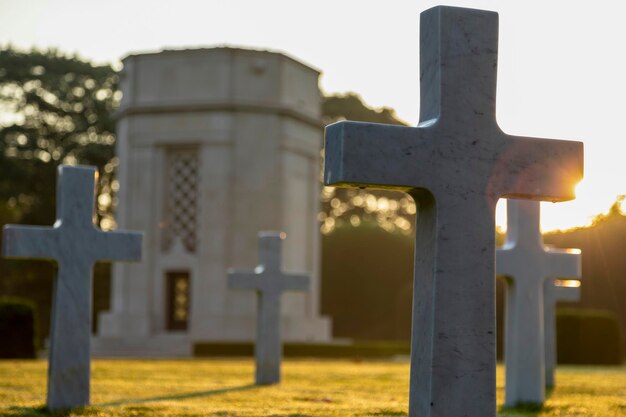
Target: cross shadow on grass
(290, 415)
(43, 412)
(181, 396)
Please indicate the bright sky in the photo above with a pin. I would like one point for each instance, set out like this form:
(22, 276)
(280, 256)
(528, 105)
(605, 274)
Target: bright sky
(561, 74)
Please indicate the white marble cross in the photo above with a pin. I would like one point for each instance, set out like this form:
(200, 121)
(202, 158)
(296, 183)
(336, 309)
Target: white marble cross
(527, 264)
(555, 291)
(75, 244)
(269, 282)
(456, 164)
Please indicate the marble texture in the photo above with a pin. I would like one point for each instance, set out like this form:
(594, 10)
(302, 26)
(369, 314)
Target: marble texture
(553, 294)
(269, 282)
(527, 265)
(75, 244)
(456, 164)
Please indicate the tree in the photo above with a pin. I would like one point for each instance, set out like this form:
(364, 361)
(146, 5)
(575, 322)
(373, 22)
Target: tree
(367, 282)
(53, 109)
(350, 106)
(57, 109)
(604, 265)
(391, 210)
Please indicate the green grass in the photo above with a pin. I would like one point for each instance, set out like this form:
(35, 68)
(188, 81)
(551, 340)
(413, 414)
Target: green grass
(205, 387)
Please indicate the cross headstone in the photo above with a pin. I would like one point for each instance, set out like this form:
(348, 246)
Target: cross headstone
(75, 244)
(528, 265)
(456, 164)
(553, 293)
(269, 282)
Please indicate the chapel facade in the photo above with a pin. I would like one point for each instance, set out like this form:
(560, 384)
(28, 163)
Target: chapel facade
(214, 145)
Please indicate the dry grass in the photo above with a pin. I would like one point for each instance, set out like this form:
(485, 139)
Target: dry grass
(310, 389)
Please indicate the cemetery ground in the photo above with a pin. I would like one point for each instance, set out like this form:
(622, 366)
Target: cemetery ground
(310, 388)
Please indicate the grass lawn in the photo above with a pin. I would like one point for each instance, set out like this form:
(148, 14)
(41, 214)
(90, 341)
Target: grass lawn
(310, 388)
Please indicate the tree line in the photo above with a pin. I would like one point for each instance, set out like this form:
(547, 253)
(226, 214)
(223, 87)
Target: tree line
(57, 108)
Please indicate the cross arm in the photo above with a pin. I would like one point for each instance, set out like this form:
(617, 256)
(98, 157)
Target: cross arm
(567, 261)
(375, 155)
(537, 169)
(506, 261)
(561, 293)
(296, 282)
(243, 280)
(120, 245)
(35, 242)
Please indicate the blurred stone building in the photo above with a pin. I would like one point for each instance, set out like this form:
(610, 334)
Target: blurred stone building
(214, 146)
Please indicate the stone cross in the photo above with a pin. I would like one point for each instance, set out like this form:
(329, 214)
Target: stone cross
(527, 265)
(269, 282)
(456, 164)
(552, 294)
(75, 244)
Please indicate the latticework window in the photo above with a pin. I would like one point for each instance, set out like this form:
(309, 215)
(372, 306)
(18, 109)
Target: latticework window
(181, 198)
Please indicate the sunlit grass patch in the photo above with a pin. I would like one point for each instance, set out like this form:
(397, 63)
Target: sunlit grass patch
(310, 389)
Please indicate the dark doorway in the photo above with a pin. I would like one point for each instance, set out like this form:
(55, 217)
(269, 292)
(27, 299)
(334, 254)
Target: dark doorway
(177, 300)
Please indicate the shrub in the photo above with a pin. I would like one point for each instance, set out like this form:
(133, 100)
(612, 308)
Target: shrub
(589, 337)
(367, 282)
(17, 328)
(356, 349)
